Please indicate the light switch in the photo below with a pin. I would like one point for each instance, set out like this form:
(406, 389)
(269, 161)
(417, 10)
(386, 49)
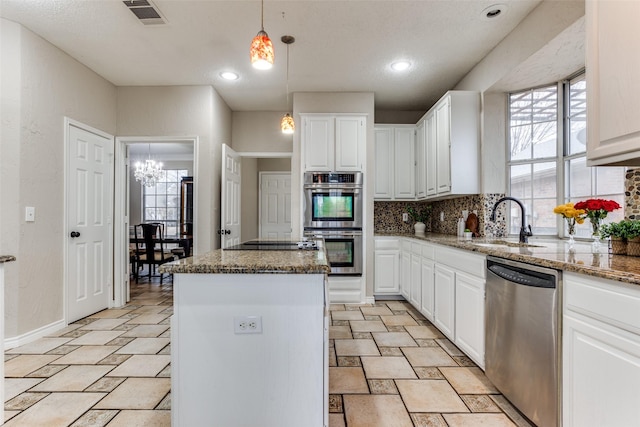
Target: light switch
(30, 214)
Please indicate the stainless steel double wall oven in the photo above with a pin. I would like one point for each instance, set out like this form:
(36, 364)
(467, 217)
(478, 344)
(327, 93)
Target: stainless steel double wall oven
(333, 211)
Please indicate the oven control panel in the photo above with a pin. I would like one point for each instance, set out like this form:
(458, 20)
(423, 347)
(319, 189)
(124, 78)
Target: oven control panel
(333, 178)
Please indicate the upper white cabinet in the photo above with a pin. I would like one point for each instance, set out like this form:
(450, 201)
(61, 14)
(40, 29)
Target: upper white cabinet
(395, 162)
(613, 85)
(452, 129)
(421, 160)
(333, 143)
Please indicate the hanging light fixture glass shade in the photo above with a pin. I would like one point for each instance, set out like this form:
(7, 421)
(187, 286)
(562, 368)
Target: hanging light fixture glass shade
(149, 172)
(261, 52)
(287, 125)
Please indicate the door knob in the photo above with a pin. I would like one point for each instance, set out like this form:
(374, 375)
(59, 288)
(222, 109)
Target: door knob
(227, 231)
(75, 234)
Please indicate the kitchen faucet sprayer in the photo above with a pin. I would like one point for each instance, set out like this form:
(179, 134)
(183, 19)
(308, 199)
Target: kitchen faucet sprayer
(524, 233)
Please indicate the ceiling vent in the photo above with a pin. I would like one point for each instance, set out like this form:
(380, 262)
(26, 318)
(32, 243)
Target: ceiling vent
(145, 11)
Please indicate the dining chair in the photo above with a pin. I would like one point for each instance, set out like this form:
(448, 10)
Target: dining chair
(155, 252)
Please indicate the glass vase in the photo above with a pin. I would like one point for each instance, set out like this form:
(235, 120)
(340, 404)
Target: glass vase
(571, 231)
(596, 245)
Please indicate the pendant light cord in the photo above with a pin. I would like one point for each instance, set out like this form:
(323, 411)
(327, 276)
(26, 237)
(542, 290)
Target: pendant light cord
(262, 15)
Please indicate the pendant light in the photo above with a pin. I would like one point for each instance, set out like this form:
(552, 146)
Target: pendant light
(261, 52)
(286, 124)
(149, 172)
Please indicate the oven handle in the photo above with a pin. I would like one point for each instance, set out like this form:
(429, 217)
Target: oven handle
(331, 233)
(327, 187)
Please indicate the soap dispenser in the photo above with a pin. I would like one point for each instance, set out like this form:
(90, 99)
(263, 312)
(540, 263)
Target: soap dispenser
(460, 227)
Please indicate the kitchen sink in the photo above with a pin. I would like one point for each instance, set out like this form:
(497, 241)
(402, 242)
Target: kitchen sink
(498, 243)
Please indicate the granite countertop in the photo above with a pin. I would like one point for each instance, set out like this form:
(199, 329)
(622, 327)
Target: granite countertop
(252, 262)
(6, 258)
(552, 253)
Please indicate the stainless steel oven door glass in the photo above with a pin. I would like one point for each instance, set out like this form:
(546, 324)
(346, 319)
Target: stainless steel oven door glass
(344, 250)
(332, 200)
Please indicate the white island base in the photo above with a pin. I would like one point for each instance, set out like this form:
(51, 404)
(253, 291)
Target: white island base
(276, 378)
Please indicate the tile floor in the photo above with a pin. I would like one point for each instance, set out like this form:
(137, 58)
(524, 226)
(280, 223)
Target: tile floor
(388, 367)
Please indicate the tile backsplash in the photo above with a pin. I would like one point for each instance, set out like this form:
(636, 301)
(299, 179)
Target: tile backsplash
(388, 215)
(632, 194)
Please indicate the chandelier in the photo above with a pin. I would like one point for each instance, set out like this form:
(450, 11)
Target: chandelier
(261, 52)
(149, 172)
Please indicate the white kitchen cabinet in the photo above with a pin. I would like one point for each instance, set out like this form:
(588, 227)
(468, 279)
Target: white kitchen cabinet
(452, 135)
(469, 332)
(333, 143)
(387, 267)
(601, 352)
(613, 85)
(421, 159)
(444, 308)
(415, 292)
(427, 303)
(405, 272)
(395, 162)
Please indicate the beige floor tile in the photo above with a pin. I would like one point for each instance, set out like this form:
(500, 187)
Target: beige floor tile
(39, 346)
(428, 356)
(347, 315)
(387, 367)
(397, 305)
(9, 414)
(428, 420)
(142, 419)
(478, 420)
(15, 386)
(376, 311)
(337, 332)
(136, 393)
(112, 313)
(23, 401)
(356, 348)
(430, 396)
(394, 339)
(148, 319)
(347, 380)
(146, 331)
(95, 418)
(449, 347)
(73, 378)
(96, 338)
(399, 320)
(141, 365)
(144, 346)
(65, 330)
(469, 380)
(149, 309)
(479, 403)
(87, 355)
(376, 410)
(423, 332)
(104, 324)
(336, 420)
(56, 410)
(511, 412)
(22, 365)
(367, 326)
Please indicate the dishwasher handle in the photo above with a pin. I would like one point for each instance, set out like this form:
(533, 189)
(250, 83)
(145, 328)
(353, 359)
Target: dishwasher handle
(521, 277)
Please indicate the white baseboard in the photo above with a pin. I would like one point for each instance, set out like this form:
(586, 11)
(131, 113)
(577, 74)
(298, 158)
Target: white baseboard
(369, 300)
(33, 335)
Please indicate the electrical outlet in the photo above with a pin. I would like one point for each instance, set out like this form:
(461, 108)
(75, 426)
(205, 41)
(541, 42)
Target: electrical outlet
(247, 324)
(405, 217)
(441, 216)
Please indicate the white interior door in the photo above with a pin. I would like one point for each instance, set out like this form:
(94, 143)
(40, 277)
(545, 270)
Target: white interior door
(230, 209)
(275, 205)
(89, 224)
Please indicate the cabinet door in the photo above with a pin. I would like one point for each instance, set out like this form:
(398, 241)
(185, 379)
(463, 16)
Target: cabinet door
(387, 272)
(416, 285)
(405, 275)
(612, 81)
(469, 332)
(431, 159)
(349, 143)
(319, 144)
(421, 158)
(404, 163)
(444, 311)
(383, 175)
(601, 374)
(443, 146)
(428, 289)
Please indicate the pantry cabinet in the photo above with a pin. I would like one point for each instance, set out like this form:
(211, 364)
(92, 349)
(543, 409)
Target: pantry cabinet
(613, 85)
(395, 162)
(333, 143)
(601, 352)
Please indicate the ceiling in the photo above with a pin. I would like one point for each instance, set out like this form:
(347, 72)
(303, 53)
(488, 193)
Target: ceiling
(340, 45)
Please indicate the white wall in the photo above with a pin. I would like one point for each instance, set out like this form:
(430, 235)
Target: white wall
(40, 86)
(184, 111)
(259, 131)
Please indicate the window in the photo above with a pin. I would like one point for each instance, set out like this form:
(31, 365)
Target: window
(547, 157)
(161, 203)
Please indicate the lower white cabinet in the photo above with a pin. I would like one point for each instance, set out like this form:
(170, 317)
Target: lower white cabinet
(444, 311)
(405, 274)
(386, 266)
(469, 335)
(601, 352)
(427, 304)
(415, 287)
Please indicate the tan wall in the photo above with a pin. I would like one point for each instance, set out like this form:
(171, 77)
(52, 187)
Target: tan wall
(259, 131)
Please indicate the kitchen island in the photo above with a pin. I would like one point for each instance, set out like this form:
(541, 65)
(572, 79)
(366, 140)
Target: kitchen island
(250, 339)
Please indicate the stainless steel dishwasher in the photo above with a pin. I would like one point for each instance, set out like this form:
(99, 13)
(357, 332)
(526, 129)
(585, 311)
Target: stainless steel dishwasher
(522, 337)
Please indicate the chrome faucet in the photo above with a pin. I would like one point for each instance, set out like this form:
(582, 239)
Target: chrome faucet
(524, 233)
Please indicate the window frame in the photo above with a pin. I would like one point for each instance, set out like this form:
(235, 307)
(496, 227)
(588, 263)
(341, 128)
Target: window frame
(165, 221)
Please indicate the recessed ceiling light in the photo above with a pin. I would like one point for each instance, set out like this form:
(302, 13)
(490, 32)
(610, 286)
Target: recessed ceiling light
(400, 65)
(229, 75)
(494, 11)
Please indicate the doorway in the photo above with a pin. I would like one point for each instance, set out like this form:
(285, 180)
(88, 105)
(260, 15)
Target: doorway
(134, 204)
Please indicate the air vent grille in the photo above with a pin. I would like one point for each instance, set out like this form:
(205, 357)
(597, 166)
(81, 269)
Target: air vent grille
(145, 11)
